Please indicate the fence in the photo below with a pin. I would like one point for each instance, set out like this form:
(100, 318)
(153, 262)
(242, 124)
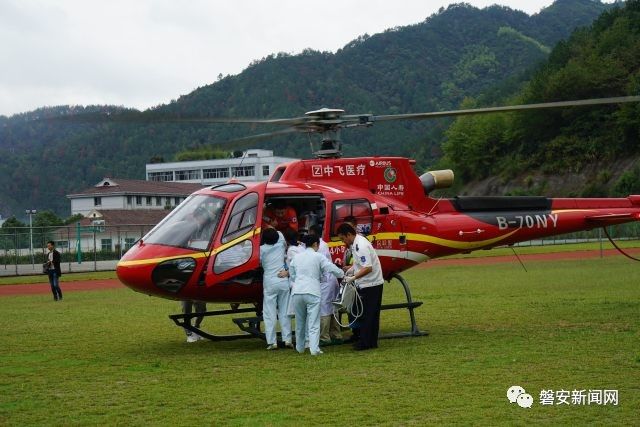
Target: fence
(629, 231)
(97, 248)
(93, 248)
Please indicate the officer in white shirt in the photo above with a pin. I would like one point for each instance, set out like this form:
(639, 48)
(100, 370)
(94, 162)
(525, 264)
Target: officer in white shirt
(306, 271)
(367, 274)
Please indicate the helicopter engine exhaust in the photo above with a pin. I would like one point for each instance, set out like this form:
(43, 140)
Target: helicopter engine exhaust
(434, 180)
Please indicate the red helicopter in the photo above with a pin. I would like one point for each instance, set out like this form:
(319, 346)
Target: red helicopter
(207, 248)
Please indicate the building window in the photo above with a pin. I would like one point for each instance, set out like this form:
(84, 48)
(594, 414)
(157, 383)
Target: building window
(148, 200)
(239, 171)
(177, 200)
(265, 170)
(105, 244)
(139, 200)
(161, 176)
(129, 242)
(62, 244)
(215, 173)
(187, 175)
(129, 199)
(97, 201)
(158, 201)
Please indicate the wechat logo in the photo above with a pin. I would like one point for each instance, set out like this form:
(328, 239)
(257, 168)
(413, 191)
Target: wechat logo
(517, 394)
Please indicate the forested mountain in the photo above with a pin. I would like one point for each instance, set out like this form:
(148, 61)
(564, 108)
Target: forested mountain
(457, 53)
(528, 149)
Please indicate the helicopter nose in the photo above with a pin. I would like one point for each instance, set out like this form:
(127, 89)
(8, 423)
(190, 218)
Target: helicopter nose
(135, 277)
(163, 277)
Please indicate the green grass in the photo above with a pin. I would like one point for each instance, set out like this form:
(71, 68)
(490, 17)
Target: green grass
(66, 277)
(569, 247)
(113, 357)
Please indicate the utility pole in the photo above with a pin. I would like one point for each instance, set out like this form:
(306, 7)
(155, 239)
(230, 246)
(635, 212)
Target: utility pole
(31, 212)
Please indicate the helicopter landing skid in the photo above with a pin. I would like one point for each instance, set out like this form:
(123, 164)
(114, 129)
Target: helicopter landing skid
(184, 321)
(409, 305)
(250, 326)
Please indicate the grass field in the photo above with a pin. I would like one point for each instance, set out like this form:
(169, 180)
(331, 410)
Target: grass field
(113, 357)
(548, 249)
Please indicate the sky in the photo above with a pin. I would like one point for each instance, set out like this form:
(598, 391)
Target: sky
(142, 53)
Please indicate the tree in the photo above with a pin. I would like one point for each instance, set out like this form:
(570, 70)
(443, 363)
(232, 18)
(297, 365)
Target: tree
(13, 222)
(47, 219)
(73, 219)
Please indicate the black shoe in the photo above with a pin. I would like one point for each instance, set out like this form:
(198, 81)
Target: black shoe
(360, 348)
(352, 339)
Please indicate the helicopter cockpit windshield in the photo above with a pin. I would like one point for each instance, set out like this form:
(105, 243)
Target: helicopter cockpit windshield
(191, 225)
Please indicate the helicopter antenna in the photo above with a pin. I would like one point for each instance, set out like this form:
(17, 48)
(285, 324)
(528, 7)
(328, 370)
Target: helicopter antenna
(516, 254)
(244, 154)
(434, 206)
(310, 141)
(618, 247)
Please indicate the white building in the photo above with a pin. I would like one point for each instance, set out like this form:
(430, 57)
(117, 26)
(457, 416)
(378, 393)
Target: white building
(118, 212)
(130, 194)
(254, 165)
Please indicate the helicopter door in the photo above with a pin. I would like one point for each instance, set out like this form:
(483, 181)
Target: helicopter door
(236, 253)
(391, 240)
(354, 209)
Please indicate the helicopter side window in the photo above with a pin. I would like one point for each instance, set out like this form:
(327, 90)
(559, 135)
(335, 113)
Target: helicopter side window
(242, 217)
(308, 210)
(233, 257)
(360, 209)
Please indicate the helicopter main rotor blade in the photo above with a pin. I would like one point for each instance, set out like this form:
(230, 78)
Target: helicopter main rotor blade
(544, 105)
(150, 117)
(281, 122)
(262, 136)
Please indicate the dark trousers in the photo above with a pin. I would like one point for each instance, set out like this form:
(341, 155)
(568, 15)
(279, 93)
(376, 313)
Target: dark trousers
(54, 281)
(199, 307)
(370, 320)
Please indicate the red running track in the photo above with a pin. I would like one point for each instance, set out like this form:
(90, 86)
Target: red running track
(44, 288)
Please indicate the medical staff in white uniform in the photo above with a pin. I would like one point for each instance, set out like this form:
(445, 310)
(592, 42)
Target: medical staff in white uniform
(306, 271)
(294, 247)
(329, 328)
(367, 274)
(275, 288)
